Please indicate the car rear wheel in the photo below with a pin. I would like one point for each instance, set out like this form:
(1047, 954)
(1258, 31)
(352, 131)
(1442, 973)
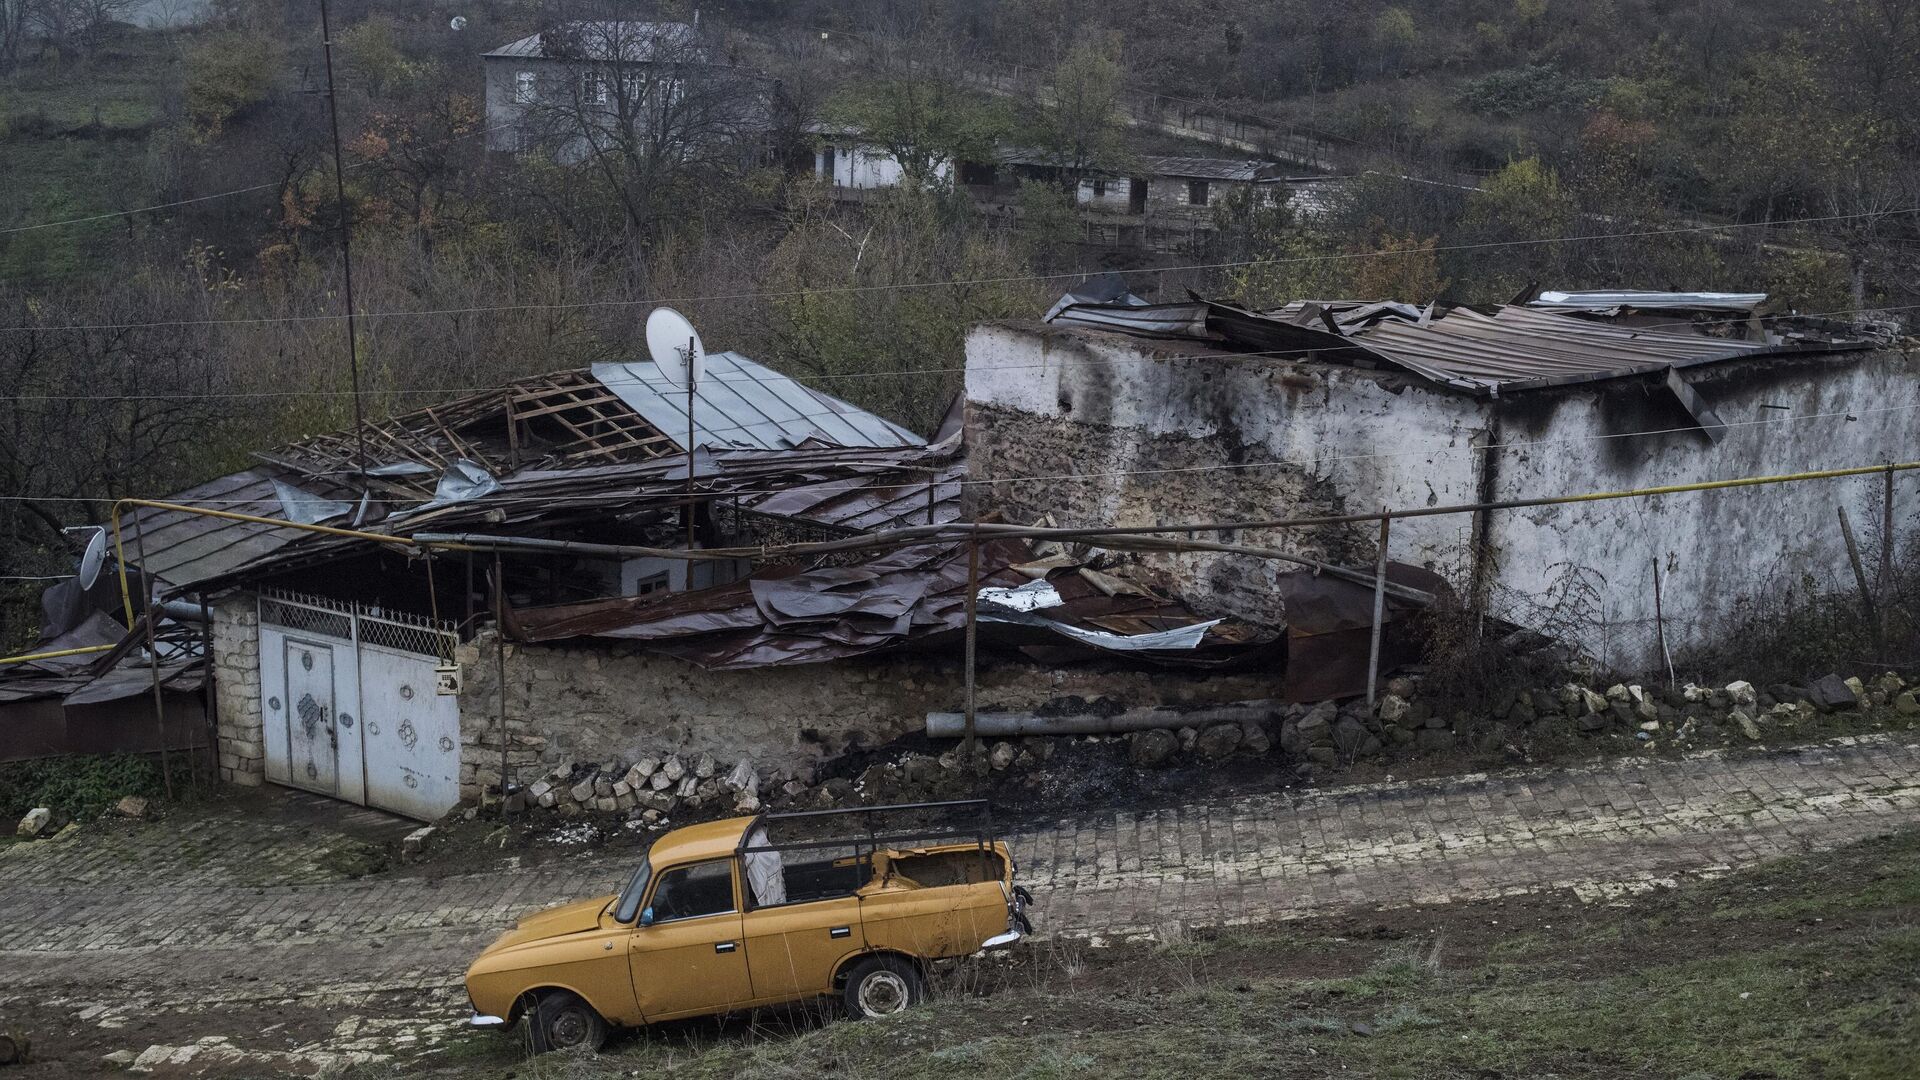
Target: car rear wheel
(560, 1020)
(883, 986)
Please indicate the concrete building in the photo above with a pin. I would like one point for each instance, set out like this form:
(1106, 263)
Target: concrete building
(578, 84)
(1142, 414)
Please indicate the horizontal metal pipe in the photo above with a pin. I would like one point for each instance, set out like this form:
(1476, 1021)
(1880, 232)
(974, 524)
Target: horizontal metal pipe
(57, 652)
(958, 531)
(952, 725)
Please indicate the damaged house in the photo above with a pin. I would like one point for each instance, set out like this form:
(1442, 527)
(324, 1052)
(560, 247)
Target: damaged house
(401, 615)
(1131, 413)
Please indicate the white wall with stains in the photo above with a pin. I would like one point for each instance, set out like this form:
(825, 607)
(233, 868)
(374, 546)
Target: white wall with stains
(1103, 428)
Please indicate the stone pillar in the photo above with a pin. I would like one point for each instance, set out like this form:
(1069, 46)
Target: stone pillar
(236, 671)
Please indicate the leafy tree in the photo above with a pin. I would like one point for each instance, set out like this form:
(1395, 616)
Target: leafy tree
(1080, 123)
(1410, 270)
(228, 74)
(923, 121)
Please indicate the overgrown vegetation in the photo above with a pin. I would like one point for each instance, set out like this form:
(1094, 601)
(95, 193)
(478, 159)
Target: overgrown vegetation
(81, 786)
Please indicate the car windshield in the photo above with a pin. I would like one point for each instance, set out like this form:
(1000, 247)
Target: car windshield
(628, 905)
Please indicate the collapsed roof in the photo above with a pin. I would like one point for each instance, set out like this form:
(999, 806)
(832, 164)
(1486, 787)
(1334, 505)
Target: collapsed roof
(585, 443)
(1484, 350)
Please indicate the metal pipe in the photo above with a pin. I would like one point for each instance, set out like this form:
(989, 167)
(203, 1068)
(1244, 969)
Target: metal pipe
(24, 657)
(960, 531)
(953, 725)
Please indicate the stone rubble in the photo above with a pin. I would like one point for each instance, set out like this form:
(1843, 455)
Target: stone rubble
(1309, 738)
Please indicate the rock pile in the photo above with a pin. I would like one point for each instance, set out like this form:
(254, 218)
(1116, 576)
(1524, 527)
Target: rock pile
(648, 789)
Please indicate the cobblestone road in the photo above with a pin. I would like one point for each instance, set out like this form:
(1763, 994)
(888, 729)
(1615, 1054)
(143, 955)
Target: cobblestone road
(157, 935)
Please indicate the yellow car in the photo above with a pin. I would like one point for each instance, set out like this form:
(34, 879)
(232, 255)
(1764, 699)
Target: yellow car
(735, 914)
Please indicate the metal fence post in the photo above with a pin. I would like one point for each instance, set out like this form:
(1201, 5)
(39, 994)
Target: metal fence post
(153, 653)
(973, 601)
(1379, 607)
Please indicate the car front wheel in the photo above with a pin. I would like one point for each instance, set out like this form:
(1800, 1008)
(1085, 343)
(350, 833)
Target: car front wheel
(883, 986)
(559, 1020)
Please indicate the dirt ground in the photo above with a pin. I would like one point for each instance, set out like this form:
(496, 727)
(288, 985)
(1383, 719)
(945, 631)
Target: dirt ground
(1806, 968)
(268, 933)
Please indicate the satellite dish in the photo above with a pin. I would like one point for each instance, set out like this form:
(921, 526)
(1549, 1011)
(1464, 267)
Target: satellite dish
(459, 22)
(675, 346)
(93, 558)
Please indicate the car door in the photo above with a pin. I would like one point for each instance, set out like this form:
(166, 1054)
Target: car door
(689, 957)
(800, 928)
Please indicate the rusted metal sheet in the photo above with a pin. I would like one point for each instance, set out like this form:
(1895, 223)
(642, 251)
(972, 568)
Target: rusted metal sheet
(905, 598)
(1329, 630)
(1478, 350)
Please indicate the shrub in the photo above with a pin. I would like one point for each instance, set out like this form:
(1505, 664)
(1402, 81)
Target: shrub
(82, 785)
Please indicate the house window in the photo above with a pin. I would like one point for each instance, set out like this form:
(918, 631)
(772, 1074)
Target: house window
(1099, 189)
(1197, 192)
(593, 88)
(524, 92)
(654, 584)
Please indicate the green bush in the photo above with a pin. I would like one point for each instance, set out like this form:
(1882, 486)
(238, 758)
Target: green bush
(1534, 88)
(82, 785)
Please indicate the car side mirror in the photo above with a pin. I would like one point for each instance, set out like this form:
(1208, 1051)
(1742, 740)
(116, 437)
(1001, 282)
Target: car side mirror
(646, 917)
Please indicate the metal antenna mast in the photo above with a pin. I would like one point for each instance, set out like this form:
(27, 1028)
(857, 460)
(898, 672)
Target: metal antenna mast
(346, 249)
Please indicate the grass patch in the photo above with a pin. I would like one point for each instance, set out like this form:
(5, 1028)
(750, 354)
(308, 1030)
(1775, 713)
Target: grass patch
(83, 785)
(1719, 979)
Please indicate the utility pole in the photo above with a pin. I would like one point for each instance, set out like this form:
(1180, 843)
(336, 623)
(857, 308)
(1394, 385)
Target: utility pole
(346, 249)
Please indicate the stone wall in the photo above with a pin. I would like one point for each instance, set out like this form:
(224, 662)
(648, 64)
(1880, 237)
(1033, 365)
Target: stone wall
(236, 675)
(605, 701)
(1125, 429)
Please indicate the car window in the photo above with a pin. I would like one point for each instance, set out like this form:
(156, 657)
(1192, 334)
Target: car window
(688, 892)
(803, 875)
(628, 907)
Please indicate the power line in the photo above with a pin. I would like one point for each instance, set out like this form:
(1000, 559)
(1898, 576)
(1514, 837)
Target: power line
(777, 294)
(1435, 451)
(110, 214)
(1216, 354)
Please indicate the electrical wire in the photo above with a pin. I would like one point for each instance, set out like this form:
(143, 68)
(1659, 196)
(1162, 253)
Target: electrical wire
(1215, 354)
(828, 290)
(108, 215)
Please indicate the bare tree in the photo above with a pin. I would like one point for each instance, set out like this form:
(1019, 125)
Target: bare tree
(648, 109)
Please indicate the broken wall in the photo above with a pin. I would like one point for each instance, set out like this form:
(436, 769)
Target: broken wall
(1105, 429)
(595, 701)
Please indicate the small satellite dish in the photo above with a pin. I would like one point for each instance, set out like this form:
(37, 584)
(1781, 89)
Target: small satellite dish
(675, 346)
(93, 558)
(459, 22)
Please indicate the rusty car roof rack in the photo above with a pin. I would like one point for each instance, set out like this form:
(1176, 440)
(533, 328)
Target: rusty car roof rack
(870, 837)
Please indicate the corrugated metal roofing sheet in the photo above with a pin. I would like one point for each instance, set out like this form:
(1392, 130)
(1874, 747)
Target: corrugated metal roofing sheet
(740, 404)
(1514, 348)
(1478, 350)
(1200, 168)
(184, 548)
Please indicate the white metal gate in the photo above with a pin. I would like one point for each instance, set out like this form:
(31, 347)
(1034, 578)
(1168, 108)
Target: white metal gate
(351, 704)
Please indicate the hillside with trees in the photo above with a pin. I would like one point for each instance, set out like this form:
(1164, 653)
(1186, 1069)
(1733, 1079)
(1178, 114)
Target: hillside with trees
(171, 269)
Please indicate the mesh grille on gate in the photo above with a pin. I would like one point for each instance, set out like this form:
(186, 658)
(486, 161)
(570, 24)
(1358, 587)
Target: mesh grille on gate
(295, 616)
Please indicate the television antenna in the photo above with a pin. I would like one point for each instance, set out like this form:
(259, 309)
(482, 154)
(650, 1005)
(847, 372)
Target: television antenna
(675, 347)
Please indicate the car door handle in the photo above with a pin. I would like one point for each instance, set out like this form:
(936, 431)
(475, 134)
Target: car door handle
(725, 946)
(840, 932)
